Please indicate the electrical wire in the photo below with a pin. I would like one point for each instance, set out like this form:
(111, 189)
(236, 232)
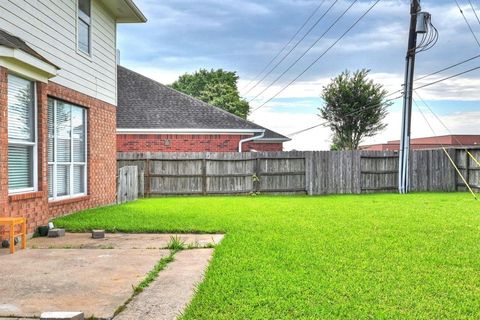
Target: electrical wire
(447, 78)
(446, 152)
(474, 11)
(321, 56)
(286, 45)
(306, 51)
(448, 68)
(424, 86)
(295, 46)
(430, 37)
(363, 109)
(445, 126)
(468, 23)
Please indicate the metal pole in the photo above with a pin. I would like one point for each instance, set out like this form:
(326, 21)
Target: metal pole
(403, 172)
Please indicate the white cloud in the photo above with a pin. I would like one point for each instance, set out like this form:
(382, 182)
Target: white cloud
(320, 138)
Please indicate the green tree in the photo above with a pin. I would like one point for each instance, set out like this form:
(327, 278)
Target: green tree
(216, 87)
(354, 109)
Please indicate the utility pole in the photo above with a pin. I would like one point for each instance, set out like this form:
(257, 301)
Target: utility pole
(404, 155)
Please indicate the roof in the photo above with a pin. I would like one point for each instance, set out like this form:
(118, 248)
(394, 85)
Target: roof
(125, 11)
(146, 104)
(13, 42)
(429, 142)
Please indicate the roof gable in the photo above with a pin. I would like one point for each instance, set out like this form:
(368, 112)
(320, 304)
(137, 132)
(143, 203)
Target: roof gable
(146, 104)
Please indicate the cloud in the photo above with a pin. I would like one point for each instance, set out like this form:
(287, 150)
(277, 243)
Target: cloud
(320, 138)
(185, 35)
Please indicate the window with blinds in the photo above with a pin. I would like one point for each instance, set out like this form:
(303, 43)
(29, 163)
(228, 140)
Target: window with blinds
(67, 150)
(84, 26)
(22, 140)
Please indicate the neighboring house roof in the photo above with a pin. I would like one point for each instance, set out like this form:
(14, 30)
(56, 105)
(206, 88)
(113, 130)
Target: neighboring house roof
(434, 142)
(144, 104)
(13, 42)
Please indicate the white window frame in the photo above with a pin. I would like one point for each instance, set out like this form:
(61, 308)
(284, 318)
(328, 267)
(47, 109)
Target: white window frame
(34, 144)
(72, 163)
(79, 15)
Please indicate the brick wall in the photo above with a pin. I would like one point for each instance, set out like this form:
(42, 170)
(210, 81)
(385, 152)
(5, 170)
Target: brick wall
(101, 157)
(3, 143)
(188, 143)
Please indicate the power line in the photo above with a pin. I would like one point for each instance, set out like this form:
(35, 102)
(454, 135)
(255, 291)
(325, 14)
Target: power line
(306, 51)
(286, 45)
(423, 86)
(447, 78)
(316, 60)
(440, 120)
(448, 68)
(474, 11)
(468, 23)
(363, 109)
(295, 46)
(446, 152)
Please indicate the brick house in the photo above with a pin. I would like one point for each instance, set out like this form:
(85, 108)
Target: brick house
(58, 97)
(152, 117)
(428, 143)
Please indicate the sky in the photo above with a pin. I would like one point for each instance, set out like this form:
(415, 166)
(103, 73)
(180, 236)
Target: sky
(182, 36)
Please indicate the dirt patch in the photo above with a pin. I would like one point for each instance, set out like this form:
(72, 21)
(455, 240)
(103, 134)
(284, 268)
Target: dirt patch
(122, 241)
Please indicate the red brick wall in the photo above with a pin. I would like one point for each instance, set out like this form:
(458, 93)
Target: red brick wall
(101, 157)
(3, 143)
(188, 143)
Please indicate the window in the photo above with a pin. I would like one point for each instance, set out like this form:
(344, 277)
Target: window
(22, 140)
(84, 26)
(67, 150)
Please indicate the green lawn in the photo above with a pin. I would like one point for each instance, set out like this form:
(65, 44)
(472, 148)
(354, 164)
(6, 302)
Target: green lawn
(369, 256)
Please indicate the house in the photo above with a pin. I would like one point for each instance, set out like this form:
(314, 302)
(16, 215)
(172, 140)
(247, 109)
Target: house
(152, 117)
(428, 143)
(58, 97)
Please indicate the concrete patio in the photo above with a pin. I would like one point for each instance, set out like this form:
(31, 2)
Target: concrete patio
(77, 273)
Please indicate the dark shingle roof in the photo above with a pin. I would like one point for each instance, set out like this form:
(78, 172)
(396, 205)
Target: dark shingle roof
(11, 41)
(146, 104)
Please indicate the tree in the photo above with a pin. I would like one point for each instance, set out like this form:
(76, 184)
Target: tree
(216, 87)
(354, 109)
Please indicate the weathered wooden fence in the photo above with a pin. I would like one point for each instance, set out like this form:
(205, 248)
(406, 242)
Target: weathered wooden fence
(127, 184)
(323, 172)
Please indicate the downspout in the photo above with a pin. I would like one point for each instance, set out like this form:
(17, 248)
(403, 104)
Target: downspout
(240, 144)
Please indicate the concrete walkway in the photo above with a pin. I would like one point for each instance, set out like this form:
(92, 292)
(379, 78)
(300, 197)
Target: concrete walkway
(77, 273)
(171, 292)
(89, 280)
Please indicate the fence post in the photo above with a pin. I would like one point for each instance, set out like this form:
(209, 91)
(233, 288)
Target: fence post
(467, 166)
(204, 174)
(309, 172)
(147, 178)
(256, 170)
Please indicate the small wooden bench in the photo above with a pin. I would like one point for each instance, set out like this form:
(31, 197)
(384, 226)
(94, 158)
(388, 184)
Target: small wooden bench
(11, 223)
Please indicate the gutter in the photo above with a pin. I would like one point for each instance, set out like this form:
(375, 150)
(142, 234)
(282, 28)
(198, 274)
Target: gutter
(136, 10)
(188, 131)
(240, 144)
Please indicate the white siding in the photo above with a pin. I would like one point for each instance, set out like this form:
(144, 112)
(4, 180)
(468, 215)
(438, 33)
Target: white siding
(50, 27)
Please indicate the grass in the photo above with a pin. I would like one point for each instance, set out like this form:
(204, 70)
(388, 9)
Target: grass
(347, 257)
(176, 243)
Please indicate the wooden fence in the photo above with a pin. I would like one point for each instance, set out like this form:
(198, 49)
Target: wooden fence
(314, 173)
(127, 184)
